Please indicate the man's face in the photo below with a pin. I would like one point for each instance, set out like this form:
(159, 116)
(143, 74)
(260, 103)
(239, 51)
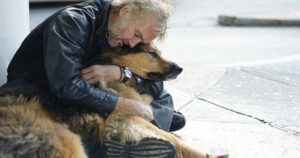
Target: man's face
(131, 31)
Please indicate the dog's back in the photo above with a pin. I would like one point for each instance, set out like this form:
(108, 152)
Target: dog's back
(26, 130)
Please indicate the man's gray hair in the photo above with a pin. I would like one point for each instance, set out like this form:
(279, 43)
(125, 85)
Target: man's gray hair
(158, 8)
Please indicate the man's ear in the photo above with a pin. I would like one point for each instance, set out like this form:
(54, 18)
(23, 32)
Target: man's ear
(125, 10)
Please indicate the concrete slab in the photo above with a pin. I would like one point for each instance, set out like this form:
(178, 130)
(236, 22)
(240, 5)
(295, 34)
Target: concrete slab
(242, 140)
(209, 126)
(192, 82)
(195, 79)
(201, 111)
(284, 72)
(267, 100)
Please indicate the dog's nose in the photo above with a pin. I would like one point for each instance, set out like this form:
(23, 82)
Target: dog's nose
(176, 70)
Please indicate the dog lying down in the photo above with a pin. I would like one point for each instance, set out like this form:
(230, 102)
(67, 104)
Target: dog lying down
(29, 129)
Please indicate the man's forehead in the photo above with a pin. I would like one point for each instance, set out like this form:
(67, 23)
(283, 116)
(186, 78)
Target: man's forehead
(148, 33)
(148, 27)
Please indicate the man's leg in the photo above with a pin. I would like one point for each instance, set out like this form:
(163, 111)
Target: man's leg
(164, 115)
(178, 121)
(92, 148)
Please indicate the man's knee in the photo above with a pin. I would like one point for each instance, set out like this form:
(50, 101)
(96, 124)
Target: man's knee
(92, 148)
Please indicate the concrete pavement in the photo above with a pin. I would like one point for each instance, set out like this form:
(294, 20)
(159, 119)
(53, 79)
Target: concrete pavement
(240, 86)
(236, 115)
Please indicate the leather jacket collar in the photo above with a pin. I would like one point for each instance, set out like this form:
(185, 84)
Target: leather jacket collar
(102, 30)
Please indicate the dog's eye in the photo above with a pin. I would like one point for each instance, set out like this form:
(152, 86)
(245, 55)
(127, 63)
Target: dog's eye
(154, 55)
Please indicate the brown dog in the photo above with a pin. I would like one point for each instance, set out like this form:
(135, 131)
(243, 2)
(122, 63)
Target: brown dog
(32, 130)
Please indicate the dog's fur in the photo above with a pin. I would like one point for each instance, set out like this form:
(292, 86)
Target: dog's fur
(29, 129)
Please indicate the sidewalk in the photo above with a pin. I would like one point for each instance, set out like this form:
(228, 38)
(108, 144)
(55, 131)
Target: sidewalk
(226, 115)
(240, 87)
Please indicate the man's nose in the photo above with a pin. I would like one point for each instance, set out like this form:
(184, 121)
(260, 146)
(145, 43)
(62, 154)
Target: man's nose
(133, 42)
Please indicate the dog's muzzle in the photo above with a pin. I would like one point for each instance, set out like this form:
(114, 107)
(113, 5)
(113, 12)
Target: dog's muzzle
(175, 71)
(172, 72)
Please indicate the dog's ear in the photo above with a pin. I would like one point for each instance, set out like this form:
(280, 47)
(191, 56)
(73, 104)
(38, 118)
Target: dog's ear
(125, 50)
(150, 47)
(106, 58)
(141, 47)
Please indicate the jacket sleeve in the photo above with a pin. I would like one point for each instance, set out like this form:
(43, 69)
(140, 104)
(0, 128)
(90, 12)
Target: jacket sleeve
(163, 110)
(162, 104)
(152, 88)
(64, 45)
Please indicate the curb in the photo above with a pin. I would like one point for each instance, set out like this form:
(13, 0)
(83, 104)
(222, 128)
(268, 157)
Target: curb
(225, 20)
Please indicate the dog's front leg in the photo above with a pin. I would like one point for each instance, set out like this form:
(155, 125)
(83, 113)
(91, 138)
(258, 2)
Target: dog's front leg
(87, 125)
(133, 128)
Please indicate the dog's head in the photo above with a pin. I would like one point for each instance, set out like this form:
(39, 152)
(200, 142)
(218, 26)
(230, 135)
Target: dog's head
(144, 60)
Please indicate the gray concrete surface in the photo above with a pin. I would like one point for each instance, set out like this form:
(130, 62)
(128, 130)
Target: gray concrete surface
(240, 86)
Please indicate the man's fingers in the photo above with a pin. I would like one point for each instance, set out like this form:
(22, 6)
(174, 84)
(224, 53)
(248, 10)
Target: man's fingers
(148, 114)
(106, 72)
(93, 80)
(90, 69)
(90, 75)
(86, 70)
(87, 76)
(125, 105)
(143, 111)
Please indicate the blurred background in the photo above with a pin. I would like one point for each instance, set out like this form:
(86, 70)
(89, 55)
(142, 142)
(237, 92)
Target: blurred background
(240, 88)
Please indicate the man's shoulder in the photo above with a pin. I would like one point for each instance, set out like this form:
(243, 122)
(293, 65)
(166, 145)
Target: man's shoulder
(89, 9)
(84, 14)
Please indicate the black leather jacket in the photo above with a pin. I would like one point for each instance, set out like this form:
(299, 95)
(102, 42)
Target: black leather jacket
(65, 43)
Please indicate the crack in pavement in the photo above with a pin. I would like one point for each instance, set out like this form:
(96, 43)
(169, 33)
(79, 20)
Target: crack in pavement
(266, 76)
(281, 128)
(186, 104)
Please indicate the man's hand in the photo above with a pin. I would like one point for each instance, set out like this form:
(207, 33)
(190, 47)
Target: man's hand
(94, 73)
(133, 107)
(108, 73)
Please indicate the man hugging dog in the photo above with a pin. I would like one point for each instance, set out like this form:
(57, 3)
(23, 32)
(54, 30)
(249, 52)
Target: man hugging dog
(58, 62)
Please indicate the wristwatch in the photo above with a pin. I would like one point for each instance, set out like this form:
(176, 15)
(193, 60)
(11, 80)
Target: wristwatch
(127, 74)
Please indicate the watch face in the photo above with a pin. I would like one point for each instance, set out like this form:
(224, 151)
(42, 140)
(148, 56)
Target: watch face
(127, 72)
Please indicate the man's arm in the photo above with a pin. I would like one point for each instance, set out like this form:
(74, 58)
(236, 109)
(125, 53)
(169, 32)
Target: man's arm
(65, 41)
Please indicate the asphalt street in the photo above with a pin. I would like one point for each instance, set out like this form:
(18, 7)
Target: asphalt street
(240, 88)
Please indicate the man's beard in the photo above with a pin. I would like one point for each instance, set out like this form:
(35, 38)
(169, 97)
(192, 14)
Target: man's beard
(109, 38)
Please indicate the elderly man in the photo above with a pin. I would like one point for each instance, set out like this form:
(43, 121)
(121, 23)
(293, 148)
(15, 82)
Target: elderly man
(57, 61)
